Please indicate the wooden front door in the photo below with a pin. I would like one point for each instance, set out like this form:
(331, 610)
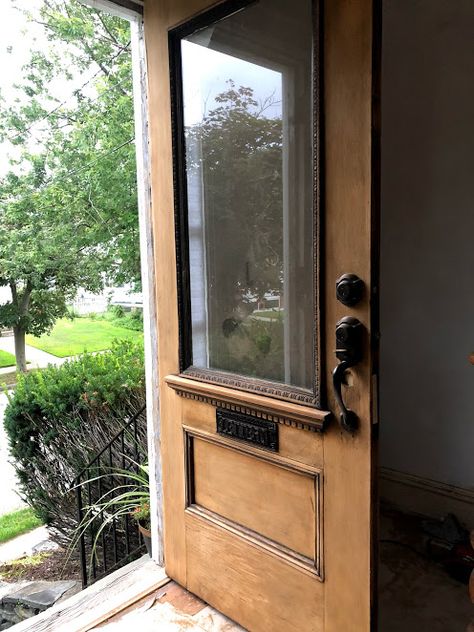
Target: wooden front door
(264, 195)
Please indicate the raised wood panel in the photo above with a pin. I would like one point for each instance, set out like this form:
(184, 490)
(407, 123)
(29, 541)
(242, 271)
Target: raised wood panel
(302, 446)
(275, 501)
(263, 593)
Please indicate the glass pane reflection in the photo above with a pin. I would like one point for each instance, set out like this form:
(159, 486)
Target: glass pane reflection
(248, 122)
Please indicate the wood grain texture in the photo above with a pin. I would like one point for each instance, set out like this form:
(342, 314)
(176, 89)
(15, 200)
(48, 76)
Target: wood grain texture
(305, 417)
(248, 584)
(99, 602)
(250, 590)
(274, 501)
(349, 557)
(159, 16)
(303, 447)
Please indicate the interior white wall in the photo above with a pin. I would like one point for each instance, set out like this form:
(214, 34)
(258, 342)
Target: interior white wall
(427, 241)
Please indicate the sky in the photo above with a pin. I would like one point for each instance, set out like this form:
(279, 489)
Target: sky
(17, 37)
(14, 53)
(12, 25)
(206, 71)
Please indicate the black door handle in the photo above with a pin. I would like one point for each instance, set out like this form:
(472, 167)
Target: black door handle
(349, 348)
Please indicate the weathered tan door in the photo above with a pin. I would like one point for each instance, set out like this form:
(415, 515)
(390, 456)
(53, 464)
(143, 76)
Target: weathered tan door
(264, 195)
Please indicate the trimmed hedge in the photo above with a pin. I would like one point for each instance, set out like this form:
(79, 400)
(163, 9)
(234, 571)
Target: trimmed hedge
(59, 418)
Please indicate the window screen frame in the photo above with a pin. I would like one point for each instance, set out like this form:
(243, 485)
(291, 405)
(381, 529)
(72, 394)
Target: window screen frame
(279, 390)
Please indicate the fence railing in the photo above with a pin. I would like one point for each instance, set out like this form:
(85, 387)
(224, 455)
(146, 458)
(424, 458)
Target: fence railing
(106, 544)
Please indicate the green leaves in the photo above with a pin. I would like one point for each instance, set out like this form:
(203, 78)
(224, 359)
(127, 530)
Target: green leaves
(59, 418)
(68, 208)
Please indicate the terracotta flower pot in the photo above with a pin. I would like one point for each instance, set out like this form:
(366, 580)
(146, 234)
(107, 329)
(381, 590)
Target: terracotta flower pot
(146, 535)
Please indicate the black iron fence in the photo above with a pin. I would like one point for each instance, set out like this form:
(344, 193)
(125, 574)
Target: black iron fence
(108, 537)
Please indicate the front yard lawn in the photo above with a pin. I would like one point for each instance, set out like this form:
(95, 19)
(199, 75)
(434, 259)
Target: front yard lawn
(72, 337)
(6, 359)
(16, 523)
(273, 314)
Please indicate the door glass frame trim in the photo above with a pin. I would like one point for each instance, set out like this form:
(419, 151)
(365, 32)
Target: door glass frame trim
(279, 390)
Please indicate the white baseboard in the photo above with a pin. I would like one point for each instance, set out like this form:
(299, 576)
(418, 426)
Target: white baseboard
(424, 496)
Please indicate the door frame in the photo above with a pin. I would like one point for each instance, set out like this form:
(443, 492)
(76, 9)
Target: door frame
(133, 12)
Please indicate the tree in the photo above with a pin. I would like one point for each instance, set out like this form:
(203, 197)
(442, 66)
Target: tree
(236, 152)
(68, 208)
(240, 157)
(46, 254)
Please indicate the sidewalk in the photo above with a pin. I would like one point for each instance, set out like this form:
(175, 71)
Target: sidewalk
(36, 358)
(34, 541)
(9, 499)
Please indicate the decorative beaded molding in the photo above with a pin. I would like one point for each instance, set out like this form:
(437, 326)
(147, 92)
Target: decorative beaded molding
(269, 410)
(260, 387)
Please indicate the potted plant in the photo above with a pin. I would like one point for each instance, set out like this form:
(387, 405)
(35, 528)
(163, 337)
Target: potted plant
(141, 514)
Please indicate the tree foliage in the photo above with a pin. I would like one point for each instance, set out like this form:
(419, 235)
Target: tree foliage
(59, 418)
(240, 157)
(235, 153)
(68, 207)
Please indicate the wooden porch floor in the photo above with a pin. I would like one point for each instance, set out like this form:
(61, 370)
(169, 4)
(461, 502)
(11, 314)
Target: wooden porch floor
(137, 597)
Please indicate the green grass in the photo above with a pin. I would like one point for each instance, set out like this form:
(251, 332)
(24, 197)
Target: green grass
(16, 523)
(274, 314)
(7, 379)
(71, 337)
(6, 359)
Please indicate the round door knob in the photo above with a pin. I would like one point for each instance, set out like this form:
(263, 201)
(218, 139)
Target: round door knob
(349, 289)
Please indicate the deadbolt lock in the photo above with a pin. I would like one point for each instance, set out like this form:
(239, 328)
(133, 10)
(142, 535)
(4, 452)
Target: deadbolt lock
(349, 289)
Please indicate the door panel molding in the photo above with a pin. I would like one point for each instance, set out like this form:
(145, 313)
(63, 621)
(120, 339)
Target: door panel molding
(306, 517)
(283, 412)
(305, 564)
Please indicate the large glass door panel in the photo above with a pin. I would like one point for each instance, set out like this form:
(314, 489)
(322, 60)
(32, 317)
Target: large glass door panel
(251, 217)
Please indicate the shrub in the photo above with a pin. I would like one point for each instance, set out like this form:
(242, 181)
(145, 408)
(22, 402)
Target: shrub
(128, 320)
(72, 313)
(137, 314)
(116, 310)
(133, 321)
(59, 418)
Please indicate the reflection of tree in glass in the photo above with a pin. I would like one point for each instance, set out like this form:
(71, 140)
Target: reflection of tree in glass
(239, 161)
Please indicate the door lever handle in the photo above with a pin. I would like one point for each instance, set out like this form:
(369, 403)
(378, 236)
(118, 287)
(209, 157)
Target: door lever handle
(349, 348)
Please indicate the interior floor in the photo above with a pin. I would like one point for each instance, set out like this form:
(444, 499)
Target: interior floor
(416, 594)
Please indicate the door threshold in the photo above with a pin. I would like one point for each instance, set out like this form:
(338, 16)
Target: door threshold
(171, 608)
(138, 596)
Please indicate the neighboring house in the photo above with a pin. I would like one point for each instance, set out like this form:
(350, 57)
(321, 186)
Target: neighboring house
(87, 302)
(265, 492)
(5, 294)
